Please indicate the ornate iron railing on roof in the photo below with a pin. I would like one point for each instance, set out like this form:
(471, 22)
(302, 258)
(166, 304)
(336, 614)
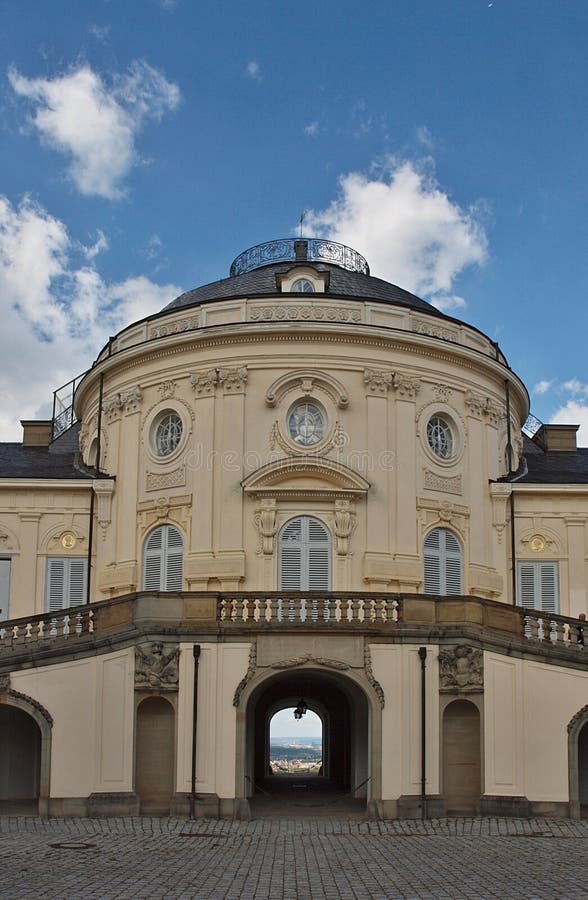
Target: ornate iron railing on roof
(63, 409)
(532, 425)
(299, 250)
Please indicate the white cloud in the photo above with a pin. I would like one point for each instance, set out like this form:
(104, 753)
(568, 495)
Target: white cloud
(575, 386)
(100, 32)
(542, 387)
(96, 125)
(253, 69)
(425, 137)
(311, 129)
(574, 413)
(100, 245)
(56, 309)
(448, 303)
(409, 229)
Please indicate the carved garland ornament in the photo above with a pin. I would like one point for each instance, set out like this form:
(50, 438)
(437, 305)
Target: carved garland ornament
(380, 382)
(10, 694)
(248, 674)
(304, 313)
(369, 673)
(177, 327)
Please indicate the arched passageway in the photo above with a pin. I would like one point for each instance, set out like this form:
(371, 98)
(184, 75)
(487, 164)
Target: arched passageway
(461, 758)
(154, 755)
(583, 771)
(344, 782)
(20, 761)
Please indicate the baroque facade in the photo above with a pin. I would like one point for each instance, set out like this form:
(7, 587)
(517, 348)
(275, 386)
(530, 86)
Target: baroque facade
(298, 481)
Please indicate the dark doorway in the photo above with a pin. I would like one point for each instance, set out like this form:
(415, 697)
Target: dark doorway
(461, 758)
(583, 770)
(20, 761)
(154, 755)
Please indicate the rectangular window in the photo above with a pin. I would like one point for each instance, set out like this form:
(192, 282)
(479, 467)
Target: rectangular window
(4, 588)
(538, 585)
(66, 582)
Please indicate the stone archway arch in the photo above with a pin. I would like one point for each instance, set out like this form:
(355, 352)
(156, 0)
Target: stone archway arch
(353, 681)
(575, 726)
(44, 721)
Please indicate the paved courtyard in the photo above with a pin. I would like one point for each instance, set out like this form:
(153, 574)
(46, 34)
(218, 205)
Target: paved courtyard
(292, 858)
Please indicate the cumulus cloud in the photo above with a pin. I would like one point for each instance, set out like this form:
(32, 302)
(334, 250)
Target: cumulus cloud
(96, 124)
(542, 387)
(410, 230)
(311, 129)
(253, 69)
(56, 309)
(575, 386)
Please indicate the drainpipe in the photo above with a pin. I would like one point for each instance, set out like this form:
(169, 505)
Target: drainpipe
(511, 498)
(196, 651)
(423, 657)
(90, 543)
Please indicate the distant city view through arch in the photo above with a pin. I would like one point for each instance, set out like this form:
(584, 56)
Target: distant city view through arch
(296, 745)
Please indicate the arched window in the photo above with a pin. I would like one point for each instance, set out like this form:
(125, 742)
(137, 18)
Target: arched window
(163, 560)
(443, 563)
(304, 556)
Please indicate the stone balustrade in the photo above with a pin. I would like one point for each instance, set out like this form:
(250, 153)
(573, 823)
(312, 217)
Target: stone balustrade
(68, 623)
(552, 629)
(310, 609)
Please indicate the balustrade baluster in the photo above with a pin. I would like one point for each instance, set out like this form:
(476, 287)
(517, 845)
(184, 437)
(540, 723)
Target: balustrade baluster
(355, 603)
(540, 629)
(53, 628)
(554, 629)
(345, 609)
(276, 606)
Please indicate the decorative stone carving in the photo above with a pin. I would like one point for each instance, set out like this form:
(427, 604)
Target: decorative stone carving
(4, 540)
(369, 674)
(309, 658)
(127, 401)
(158, 481)
(24, 698)
(104, 489)
(345, 522)
(177, 327)
(233, 380)
(157, 666)
(479, 406)
(204, 383)
(265, 521)
(174, 508)
(248, 674)
(434, 482)
(433, 331)
(287, 312)
(4, 683)
(500, 493)
(406, 388)
(442, 392)
(67, 539)
(461, 669)
(167, 389)
(308, 383)
(338, 438)
(377, 381)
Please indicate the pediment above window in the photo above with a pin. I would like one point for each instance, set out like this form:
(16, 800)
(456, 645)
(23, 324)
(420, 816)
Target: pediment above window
(307, 382)
(305, 478)
(303, 280)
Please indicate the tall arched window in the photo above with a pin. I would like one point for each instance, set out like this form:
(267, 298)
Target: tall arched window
(443, 563)
(163, 560)
(304, 556)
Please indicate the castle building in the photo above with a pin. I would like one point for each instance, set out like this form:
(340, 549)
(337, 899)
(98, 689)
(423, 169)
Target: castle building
(297, 482)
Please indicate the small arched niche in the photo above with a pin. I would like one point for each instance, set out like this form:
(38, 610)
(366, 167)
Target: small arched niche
(462, 770)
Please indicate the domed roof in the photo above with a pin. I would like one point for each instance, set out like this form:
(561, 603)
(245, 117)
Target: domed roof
(254, 273)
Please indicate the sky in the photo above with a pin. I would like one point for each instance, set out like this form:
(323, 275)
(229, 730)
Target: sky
(145, 144)
(284, 725)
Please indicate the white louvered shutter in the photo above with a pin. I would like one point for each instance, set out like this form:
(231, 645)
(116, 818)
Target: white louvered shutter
(66, 583)
(538, 584)
(443, 563)
(304, 556)
(163, 560)
(318, 558)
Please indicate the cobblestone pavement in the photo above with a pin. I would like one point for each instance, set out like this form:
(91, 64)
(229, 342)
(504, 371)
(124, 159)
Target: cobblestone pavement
(288, 859)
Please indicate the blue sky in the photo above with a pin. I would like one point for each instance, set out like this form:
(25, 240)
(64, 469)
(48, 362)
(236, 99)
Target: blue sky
(146, 144)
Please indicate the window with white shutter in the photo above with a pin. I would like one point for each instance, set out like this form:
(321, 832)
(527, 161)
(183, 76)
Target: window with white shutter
(443, 563)
(66, 582)
(304, 556)
(163, 560)
(538, 585)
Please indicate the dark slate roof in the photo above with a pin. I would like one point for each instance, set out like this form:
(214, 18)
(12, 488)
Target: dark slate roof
(58, 460)
(342, 283)
(552, 466)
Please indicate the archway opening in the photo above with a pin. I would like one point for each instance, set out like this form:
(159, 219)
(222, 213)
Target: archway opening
(154, 755)
(583, 771)
(461, 758)
(296, 741)
(340, 784)
(20, 761)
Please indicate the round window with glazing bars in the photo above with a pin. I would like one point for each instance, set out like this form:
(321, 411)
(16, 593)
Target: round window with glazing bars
(306, 423)
(440, 437)
(303, 286)
(168, 433)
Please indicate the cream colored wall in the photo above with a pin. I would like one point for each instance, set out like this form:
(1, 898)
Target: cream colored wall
(32, 520)
(228, 426)
(398, 670)
(527, 707)
(91, 703)
(221, 668)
